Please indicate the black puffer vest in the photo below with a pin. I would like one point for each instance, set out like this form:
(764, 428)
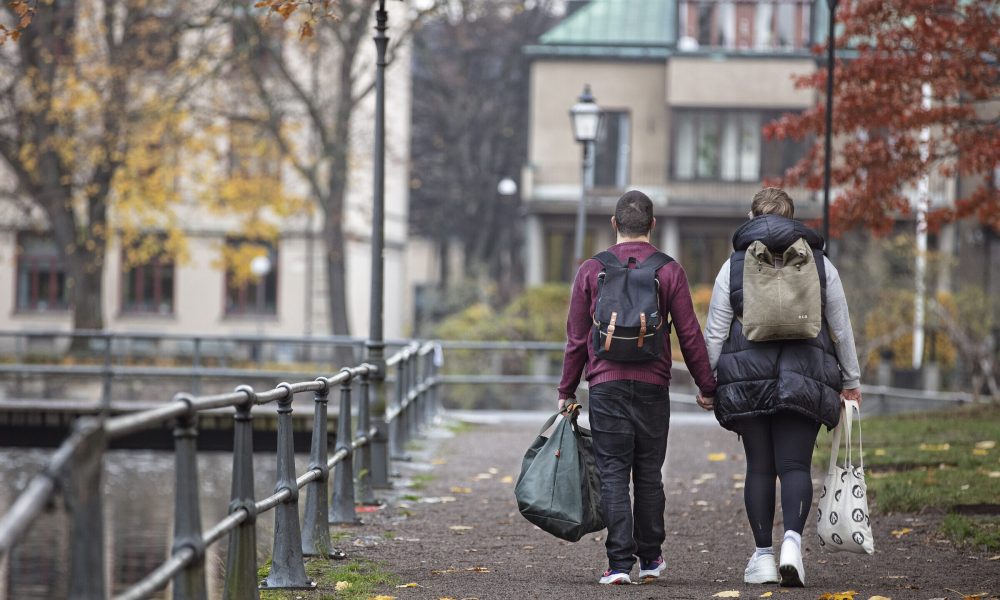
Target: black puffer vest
(762, 378)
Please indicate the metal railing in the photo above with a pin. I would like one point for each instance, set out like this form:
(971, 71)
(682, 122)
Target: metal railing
(360, 461)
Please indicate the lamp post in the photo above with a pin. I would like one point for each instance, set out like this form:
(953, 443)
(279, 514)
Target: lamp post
(827, 142)
(375, 346)
(585, 117)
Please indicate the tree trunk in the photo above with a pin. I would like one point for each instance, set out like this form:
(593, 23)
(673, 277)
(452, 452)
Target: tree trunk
(84, 271)
(336, 277)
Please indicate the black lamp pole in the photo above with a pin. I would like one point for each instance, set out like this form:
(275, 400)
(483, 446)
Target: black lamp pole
(376, 345)
(832, 5)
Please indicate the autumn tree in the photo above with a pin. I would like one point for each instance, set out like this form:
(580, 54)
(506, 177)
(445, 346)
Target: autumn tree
(332, 49)
(81, 89)
(892, 52)
(470, 124)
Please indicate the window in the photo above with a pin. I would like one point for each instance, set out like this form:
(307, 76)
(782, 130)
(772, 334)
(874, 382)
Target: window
(722, 145)
(559, 248)
(611, 151)
(148, 288)
(41, 274)
(761, 26)
(248, 293)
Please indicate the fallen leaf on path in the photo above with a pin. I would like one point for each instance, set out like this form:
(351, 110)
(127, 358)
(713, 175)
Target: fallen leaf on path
(383, 598)
(739, 485)
(935, 447)
(444, 571)
(408, 585)
(994, 474)
(880, 598)
(478, 569)
(986, 445)
(446, 598)
(701, 503)
(460, 527)
(898, 533)
(483, 476)
(727, 593)
(460, 490)
(880, 452)
(439, 461)
(766, 595)
(974, 596)
(342, 585)
(848, 595)
(492, 471)
(507, 479)
(997, 557)
(979, 452)
(717, 457)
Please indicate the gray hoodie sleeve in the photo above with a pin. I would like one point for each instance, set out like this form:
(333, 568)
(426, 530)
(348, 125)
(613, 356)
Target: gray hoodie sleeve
(720, 316)
(839, 320)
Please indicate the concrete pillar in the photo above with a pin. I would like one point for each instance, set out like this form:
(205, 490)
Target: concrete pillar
(670, 235)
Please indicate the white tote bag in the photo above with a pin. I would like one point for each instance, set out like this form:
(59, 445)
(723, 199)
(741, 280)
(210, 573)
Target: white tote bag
(843, 521)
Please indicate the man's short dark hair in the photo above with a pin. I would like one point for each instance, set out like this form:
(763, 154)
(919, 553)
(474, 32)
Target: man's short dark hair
(634, 214)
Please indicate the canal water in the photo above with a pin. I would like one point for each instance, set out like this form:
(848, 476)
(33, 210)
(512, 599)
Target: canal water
(138, 517)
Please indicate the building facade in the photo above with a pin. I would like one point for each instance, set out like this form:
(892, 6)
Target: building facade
(685, 88)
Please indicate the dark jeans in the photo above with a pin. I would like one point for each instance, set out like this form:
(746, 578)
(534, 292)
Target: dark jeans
(777, 446)
(630, 420)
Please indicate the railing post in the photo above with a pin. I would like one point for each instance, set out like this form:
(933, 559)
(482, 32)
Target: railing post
(413, 414)
(363, 458)
(342, 508)
(189, 584)
(241, 561)
(397, 427)
(429, 407)
(380, 456)
(82, 488)
(315, 528)
(288, 569)
(106, 374)
(196, 367)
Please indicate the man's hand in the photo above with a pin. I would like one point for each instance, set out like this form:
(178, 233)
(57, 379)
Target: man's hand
(705, 402)
(854, 395)
(562, 404)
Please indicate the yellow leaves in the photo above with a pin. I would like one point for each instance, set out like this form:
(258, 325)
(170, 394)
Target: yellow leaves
(237, 258)
(766, 595)
(727, 594)
(717, 457)
(848, 595)
(986, 445)
(408, 585)
(382, 597)
(898, 533)
(507, 479)
(979, 452)
(460, 490)
(935, 447)
(879, 598)
(342, 585)
(880, 452)
(459, 527)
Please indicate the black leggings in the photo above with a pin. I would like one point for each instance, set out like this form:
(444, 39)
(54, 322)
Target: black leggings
(778, 445)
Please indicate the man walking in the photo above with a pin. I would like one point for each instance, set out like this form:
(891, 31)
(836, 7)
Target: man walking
(618, 330)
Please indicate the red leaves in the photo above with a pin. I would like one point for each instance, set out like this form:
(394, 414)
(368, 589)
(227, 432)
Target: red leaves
(897, 46)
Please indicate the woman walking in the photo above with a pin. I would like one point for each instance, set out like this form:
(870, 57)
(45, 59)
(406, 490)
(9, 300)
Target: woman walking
(776, 394)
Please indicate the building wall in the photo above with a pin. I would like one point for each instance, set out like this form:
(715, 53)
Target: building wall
(737, 82)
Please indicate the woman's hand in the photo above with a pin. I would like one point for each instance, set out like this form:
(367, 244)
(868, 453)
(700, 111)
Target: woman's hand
(852, 395)
(705, 402)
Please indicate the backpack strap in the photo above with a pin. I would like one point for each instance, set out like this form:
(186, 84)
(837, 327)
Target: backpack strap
(608, 259)
(655, 261)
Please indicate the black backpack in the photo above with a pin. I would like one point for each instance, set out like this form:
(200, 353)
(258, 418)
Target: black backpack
(628, 319)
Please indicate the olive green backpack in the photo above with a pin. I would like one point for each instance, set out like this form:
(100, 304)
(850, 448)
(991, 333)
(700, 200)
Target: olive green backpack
(781, 298)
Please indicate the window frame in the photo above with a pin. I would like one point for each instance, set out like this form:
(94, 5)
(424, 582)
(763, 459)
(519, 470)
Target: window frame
(802, 25)
(249, 307)
(57, 264)
(623, 174)
(136, 271)
(719, 116)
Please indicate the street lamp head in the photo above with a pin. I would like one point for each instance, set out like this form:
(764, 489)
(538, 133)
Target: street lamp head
(260, 266)
(585, 117)
(507, 187)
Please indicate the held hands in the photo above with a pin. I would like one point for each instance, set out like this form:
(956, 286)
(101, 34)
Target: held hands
(854, 395)
(706, 402)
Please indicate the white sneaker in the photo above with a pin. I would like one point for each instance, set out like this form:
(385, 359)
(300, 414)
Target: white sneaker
(761, 569)
(652, 569)
(790, 566)
(613, 577)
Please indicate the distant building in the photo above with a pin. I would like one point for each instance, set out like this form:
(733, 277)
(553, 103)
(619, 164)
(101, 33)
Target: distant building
(685, 87)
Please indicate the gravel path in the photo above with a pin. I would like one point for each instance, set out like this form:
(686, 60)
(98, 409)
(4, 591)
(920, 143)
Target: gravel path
(463, 536)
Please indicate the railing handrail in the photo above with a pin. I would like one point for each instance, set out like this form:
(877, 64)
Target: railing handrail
(29, 505)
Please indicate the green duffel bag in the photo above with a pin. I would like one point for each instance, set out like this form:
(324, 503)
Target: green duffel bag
(559, 488)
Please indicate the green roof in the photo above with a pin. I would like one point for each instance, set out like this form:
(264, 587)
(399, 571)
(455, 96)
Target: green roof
(617, 23)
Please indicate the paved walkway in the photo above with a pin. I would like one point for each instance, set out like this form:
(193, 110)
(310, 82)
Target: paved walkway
(456, 532)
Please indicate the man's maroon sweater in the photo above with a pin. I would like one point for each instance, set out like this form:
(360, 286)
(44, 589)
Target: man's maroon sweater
(675, 299)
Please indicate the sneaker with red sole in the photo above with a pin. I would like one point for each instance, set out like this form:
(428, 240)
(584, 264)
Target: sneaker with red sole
(615, 577)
